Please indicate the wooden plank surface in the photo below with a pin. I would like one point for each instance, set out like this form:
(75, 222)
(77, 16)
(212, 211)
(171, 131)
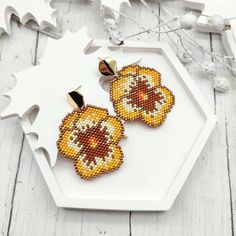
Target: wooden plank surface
(205, 205)
(17, 53)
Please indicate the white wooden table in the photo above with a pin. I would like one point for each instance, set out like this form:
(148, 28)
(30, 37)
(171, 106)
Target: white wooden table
(205, 206)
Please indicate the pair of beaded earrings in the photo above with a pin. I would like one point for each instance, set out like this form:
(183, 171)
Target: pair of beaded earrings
(90, 136)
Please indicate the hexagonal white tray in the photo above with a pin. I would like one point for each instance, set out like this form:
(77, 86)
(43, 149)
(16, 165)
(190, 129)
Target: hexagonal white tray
(157, 161)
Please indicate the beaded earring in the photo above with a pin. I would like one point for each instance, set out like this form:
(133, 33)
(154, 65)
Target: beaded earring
(90, 137)
(137, 94)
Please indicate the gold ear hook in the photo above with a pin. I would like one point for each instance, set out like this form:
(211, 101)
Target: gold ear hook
(78, 88)
(107, 66)
(76, 99)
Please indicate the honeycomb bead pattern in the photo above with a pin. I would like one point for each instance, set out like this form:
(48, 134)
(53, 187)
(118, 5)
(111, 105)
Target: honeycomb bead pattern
(137, 93)
(90, 137)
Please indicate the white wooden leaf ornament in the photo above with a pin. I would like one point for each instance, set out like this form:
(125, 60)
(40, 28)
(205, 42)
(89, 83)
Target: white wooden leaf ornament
(45, 86)
(39, 11)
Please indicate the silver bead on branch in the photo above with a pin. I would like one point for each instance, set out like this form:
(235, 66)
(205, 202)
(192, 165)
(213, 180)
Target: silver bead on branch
(110, 23)
(115, 36)
(217, 23)
(220, 84)
(188, 21)
(184, 54)
(209, 67)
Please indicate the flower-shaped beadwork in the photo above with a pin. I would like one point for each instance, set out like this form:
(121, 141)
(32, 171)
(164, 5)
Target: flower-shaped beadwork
(137, 93)
(90, 137)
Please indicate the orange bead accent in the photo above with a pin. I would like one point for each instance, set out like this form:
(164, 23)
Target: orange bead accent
(137, 94)
(90, 137)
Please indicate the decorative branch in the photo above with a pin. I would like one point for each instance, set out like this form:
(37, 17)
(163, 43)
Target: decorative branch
(178, 26)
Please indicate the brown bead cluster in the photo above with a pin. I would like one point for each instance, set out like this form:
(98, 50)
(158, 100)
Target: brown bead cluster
(90, 137)
(137, 93)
